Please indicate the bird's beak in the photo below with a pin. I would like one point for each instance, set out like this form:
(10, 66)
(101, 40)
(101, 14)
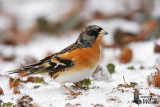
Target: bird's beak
(102, 33)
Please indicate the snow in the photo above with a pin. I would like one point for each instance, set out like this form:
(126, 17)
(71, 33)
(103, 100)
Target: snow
(100, 91)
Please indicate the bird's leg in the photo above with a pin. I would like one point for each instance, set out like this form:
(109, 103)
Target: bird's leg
(77, 85)
(72, 92)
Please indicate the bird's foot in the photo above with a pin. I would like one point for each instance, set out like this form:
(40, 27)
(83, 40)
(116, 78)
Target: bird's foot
(77, 86)
(71, 92)
(75, 94)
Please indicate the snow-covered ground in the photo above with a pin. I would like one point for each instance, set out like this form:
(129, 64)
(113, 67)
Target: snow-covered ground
(102, 91)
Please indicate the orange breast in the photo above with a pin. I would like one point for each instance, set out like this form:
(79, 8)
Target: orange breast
(85, 57)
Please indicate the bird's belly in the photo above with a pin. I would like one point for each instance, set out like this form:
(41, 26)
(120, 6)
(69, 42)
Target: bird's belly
(74, 76)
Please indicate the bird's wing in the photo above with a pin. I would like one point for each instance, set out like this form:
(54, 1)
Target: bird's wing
(51, 64)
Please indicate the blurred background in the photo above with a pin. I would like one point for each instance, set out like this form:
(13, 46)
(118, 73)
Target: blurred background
(33, 29)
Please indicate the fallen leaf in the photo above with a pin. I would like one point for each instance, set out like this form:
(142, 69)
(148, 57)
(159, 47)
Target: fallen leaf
(7, 58)
(15, 90)
(14, 82)
(142, 67)
(69, 105)
(133, 84)
(152, 94)
(25, 101)
(126, 55)
(35, 79)
(131, 68)
(37, 86)
(157, 48)
(154, 78)
(1, 91)
(98, 105)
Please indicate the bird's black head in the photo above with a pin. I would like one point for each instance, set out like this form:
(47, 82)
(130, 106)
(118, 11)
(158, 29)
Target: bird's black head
(89, 35)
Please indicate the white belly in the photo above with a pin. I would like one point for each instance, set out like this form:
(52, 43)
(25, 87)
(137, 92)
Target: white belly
(75, 76)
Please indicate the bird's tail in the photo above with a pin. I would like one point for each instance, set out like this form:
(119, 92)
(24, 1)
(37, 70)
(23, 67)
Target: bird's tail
(31, 69)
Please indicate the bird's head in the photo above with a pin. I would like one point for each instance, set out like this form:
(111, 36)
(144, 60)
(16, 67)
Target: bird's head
(89, 35)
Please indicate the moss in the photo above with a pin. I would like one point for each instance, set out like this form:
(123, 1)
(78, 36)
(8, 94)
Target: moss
(131, 68)
(111, 68)
(8, 104)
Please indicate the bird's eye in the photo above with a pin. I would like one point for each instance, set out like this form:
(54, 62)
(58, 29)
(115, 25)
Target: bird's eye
(92, 33)
(100, 29)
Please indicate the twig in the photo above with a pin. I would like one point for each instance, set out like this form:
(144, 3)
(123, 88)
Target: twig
(158, 70)
(124, 81)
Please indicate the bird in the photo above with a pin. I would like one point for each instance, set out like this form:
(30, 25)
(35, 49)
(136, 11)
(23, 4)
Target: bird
(74, 63)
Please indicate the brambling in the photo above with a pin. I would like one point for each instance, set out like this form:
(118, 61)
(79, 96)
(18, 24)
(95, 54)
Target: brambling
(74, 63)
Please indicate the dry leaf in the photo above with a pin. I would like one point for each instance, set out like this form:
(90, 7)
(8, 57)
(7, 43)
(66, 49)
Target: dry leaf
(152, 94)
(35, 79)
(154, 78)
(98, 105)
(15, 90)
(14, 82)
(157, 80)
(7, 58)
(149, 26)
(36, 86)
(1, 91)
(25, 101)
(157, 48)
(126, 55)
(69, 105)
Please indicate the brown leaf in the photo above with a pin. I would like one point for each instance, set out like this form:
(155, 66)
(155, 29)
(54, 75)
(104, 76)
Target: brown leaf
(7, 58)
(99, 15)
(25, 101)
(149, 26)
(14, 82)
(152, 94)
(126, 55)
(36, 86)
(35, 79)
(142, 67)
(69, 105)
(98, 105)
(157, 80)
(16, 91)
(157, 48)
(33, 105)
(154, 78)
(1, 91)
